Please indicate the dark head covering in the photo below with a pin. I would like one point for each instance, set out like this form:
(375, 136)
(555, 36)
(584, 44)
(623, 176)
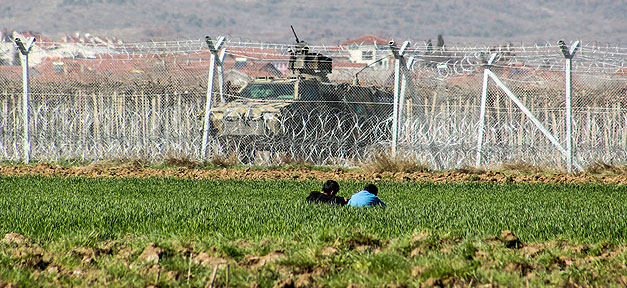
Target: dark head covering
(330, 186)
(372, 189)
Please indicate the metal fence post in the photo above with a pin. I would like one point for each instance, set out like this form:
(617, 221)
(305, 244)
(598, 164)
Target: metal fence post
(397, 67)
(209, 101)
(569, 54)
(398, 62)
(406, 78)
(484, 96)
(221, 74)
(25, 50)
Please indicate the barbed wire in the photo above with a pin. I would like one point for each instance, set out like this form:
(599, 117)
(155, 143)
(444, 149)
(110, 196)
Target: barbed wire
(591, 51)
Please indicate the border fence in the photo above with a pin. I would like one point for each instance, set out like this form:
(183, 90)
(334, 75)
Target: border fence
(447, 107)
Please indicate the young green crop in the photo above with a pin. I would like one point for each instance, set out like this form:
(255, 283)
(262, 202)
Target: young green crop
(50, 208)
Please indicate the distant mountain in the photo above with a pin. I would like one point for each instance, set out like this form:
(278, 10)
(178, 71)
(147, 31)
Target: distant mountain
(325, 21)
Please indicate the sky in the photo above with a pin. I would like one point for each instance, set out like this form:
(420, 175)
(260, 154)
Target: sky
(324, 21)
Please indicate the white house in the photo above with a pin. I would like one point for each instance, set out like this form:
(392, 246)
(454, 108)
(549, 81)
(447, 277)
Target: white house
(369, 49)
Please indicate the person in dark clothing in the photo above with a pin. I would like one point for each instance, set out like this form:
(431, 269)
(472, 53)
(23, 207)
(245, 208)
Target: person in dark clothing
(327, 195)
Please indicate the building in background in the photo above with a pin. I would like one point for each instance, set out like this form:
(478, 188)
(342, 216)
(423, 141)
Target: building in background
(369, 49)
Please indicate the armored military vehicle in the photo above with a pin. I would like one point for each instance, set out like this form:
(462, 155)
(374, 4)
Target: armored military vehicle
(303, 106)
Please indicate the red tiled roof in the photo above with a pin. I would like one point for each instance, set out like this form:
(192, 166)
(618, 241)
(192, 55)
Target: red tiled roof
(40, 39)
(254, 68)
(38, 36)
(120, 67)
(348, 65)
(257, 53)
(11, 72)
(367, 40)
(117, 68)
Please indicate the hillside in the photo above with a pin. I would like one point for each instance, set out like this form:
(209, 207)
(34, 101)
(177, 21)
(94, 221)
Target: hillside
(325, 21)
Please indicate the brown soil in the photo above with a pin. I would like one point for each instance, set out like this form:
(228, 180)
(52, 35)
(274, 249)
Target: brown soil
(132, 170)
(258, 261)
(204, 259)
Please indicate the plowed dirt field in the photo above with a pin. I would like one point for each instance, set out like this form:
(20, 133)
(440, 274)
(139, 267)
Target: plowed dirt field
(100, 170)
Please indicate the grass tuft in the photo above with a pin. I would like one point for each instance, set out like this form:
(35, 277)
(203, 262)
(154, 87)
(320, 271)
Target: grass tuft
(358, 238)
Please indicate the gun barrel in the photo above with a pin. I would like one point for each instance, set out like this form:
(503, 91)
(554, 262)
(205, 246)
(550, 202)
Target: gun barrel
(297, 41)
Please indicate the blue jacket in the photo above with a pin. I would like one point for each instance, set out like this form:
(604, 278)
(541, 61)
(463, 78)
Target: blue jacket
(365, 198)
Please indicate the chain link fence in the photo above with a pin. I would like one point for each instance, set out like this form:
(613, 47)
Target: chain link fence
(148, 100)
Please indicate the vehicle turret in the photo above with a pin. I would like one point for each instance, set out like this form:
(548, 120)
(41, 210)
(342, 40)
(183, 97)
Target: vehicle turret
(304, 62)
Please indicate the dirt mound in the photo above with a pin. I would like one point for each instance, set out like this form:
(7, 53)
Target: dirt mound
(87, 255)
(151, 254)
(204, 259)
(15, 238)
(328, 251)
(259, 261)
(510, 240)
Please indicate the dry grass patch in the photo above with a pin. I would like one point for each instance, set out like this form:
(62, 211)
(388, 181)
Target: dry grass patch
(182, 162)
(521, 168)
(224, 161)
(134, 163)
(469, 170)
(600, 167)
(386, 163)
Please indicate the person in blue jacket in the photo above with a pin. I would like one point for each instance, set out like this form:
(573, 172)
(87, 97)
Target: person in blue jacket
(366, 197)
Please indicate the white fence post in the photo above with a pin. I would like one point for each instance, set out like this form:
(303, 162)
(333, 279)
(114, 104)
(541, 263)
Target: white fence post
(25, 50)
(221, 74)
(209, 101)
(398, 62)
(406, 78)
(484, 96)
(569, 54)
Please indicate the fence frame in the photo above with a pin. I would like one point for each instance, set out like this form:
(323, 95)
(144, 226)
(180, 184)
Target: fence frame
(487, 74)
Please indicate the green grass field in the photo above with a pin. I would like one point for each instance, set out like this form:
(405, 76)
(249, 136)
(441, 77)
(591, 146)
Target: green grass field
(49, 208)
(237, 220)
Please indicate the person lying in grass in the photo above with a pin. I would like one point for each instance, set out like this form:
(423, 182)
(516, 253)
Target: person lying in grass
(366, 197)
(327, 195)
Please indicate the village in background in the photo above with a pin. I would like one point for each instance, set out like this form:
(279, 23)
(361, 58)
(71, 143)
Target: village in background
(72, 58)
